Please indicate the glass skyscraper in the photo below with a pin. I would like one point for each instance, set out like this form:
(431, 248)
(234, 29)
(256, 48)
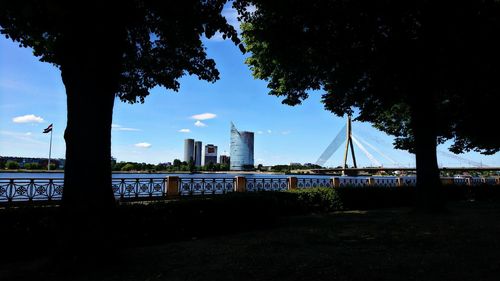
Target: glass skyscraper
(197, 153)
(189, 150)
(241, 152)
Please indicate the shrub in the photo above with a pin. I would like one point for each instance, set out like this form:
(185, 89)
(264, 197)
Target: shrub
(128, 167)
(318, 199)
(31, 166)
(12, 165)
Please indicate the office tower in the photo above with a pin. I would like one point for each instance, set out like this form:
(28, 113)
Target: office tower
(188, 150)
(210, 154)
(241, 149)
(224, 159)
(197, 153)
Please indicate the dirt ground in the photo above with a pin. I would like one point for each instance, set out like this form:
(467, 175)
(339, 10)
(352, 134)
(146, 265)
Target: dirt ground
(388, 244)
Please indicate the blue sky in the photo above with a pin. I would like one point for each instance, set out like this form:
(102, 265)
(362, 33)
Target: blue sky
(32, 96)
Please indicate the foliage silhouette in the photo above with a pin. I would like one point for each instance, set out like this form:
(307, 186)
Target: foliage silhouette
(106, 50)
(424, 72)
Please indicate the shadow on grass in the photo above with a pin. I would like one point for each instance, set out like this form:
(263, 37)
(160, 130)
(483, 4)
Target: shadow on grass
(262, 236)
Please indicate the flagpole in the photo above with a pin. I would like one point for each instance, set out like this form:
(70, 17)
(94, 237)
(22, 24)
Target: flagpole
(50, 150)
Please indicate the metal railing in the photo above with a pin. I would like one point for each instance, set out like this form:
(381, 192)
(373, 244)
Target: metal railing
(139, 187)
(267, 184)
(386, 181)
(16, 190)
(353, 181)
(206, 186)
(313, 182)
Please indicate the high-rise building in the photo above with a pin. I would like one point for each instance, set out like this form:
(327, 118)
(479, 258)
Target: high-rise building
(210, 154)
(241, 149)
(224, 159)
(197, 153)
(188, 150)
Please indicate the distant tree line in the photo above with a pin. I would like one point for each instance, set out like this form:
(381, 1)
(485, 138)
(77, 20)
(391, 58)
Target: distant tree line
(15, 165)
(288, 168)
(176, 166)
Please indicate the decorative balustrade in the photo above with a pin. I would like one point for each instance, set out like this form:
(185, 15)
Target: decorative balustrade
(385, 181)
(45, 189)
(461, 181)
(407, 181)
(477, 181)
(352, 181)
(313, 182)
(267, 184)
(14, 190)
(139, 187)
(206, 186)
(491, 181)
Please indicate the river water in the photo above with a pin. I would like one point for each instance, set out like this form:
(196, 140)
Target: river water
(58, 175)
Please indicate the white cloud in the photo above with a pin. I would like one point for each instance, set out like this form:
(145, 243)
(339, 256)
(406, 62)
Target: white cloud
(184, 131)
(129, 129)
(269, 131)
(231, 16)
(15, 85)
(204, 116)
(199, 124)
(143, 145)
(22, 136)
(29, 118)
(117, 127)
(285, 132)
(260, 132)
(252, 8)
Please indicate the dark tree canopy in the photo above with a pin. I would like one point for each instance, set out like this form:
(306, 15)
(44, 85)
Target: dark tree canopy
(423, 71)
(384, 57)
(158, 41)
(108, 49)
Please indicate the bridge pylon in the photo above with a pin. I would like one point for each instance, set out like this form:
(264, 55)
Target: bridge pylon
(348, 144)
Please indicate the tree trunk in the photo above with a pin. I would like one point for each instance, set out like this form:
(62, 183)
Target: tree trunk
(89, 72)
(429, 188)
(87, 174)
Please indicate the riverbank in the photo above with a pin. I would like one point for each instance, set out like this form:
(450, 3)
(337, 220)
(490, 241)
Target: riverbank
(152, 172)
(31, 171)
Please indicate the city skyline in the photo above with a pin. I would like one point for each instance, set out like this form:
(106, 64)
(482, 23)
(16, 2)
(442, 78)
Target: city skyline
(32, 96)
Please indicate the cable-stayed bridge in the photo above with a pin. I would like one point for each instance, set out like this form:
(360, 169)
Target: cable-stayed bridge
(374, 170)
(347, 137)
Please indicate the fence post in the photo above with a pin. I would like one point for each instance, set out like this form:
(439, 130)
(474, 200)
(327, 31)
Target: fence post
(468, 181)
(336, 182)
(292, 183)
(172, 186)
(447, 181)
(371, 181)
(241, 184)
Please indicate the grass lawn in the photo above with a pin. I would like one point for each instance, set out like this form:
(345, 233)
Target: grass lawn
(388, 244)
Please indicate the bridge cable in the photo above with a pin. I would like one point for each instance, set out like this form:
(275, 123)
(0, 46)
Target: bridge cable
(334, 146)
(463, 160)
(372, 159)
(378, 151)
